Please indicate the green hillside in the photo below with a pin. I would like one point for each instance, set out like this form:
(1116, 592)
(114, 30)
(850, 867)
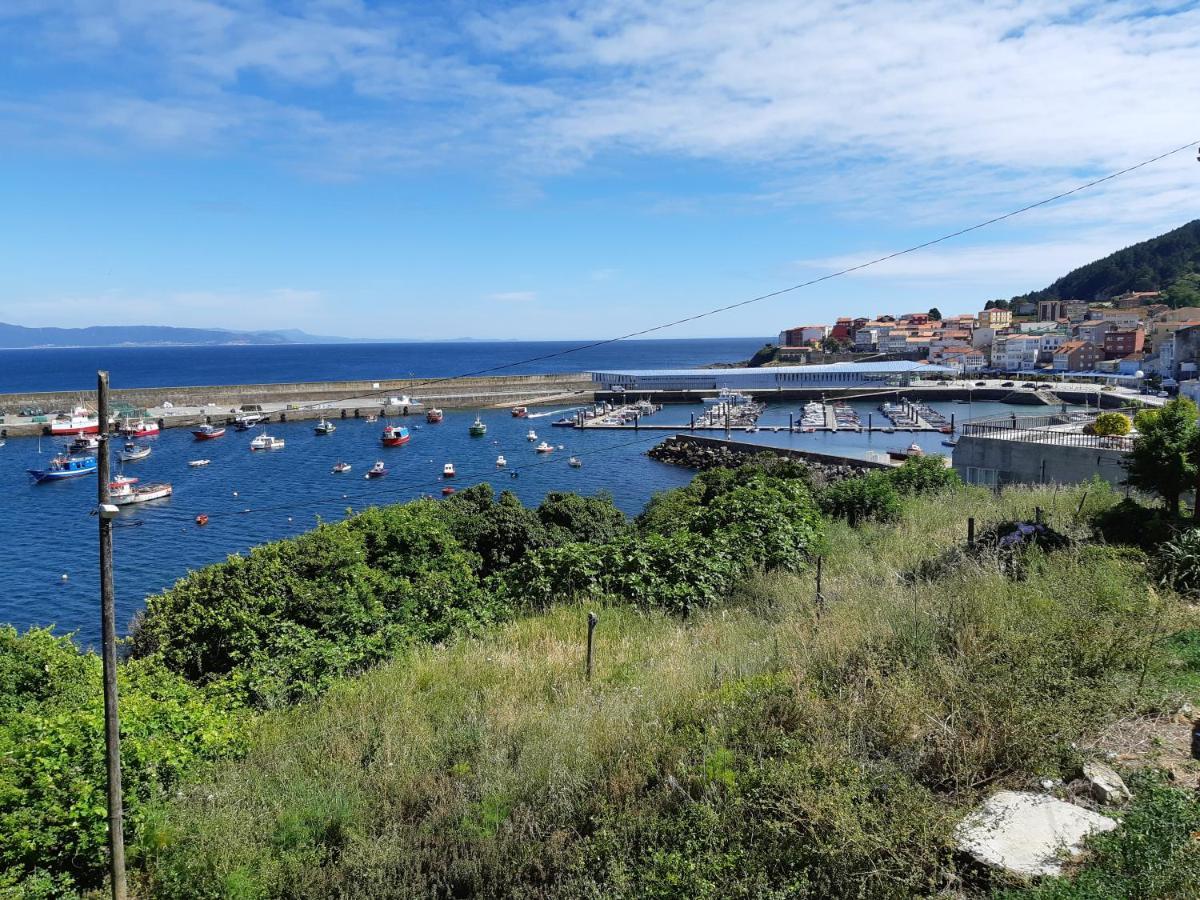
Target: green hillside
(1153, 265)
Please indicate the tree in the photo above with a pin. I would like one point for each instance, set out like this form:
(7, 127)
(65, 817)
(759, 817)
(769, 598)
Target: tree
(1111, 424)
(935, 314)
(832, 345)
(1163, 458)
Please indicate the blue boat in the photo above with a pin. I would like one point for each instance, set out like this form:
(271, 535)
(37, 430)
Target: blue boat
(65, 467)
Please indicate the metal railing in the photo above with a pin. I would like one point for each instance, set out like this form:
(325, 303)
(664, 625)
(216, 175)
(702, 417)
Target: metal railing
(1048, 429)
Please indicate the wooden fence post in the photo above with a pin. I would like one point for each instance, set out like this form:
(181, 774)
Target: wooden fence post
(592, 620)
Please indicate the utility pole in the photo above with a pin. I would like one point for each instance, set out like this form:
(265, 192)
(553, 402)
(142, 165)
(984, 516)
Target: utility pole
(112, 726)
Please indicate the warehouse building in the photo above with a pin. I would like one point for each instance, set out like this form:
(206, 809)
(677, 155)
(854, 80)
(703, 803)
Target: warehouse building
(837, 375)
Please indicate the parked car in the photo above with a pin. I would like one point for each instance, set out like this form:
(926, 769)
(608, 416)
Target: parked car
(981, 384)
(1162, 394)
(1028, 384)
(1008, 384)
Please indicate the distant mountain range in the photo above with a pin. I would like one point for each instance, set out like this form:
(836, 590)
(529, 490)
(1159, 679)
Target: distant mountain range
(21, 337)
(1162, 263)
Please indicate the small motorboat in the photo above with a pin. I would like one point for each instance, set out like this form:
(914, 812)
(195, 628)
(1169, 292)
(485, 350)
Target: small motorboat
(564, 422)
(84, 443)
(531, 435)
(394, 436)
(910, 451)
(433, 416)
(953, 442)
(447, 491)
(266, 442)
(448, 470)
(202, 519)
(543, 447)
(198, 463)
(501, 462)
(376, 471)
(324, 427)
(478, 428)
(208, 432)
(133, 452)
(139, 428)
(340, 468)
(62, 467)
(372, 418)
(246, 421)
(520, 412)
(575, 462)
(121, 491)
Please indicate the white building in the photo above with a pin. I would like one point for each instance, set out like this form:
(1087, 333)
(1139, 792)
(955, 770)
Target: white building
(771, 378)
(1016, 352)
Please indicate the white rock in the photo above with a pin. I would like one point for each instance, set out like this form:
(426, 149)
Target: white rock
(1105, 784)
(1027, 834)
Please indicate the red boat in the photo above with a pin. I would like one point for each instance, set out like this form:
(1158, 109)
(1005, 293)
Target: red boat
(447, 491)
(519, 412)
(394, 436)
(433, 416)
(78, 422)
(139, 428)
(208, 433)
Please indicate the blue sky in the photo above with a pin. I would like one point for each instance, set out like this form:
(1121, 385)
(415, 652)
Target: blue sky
(570, 169)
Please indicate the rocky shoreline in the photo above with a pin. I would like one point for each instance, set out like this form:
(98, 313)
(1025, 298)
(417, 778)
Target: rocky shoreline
(702, 454)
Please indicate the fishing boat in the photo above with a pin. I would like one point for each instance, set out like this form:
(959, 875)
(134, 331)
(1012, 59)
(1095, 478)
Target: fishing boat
(520, 412)
(121, 491)
(543, 447)
(341, 467)
(575, 462)
(266, 442)
(478, 428)
(62, 467)
(372, 418)
(139, 428)
(501, 462)
(395, 436)
(447, 491)
(324, 427)
(80, 421)
(531, 435)
(433, 416)
(448, 470)
(246, 421)
(910, 451)
(564, 422)
(208, 432)
(377, 471)
(84, 443)
(132, 452)
(198, 463)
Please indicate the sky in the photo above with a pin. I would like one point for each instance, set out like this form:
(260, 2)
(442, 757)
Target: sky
(572, 169)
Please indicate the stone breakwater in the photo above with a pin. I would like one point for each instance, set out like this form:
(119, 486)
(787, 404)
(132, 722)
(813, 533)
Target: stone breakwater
(696, 452)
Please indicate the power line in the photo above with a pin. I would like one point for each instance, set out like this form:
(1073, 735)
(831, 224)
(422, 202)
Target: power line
(776, 293)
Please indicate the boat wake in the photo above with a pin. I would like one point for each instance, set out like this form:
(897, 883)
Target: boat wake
(554, 412)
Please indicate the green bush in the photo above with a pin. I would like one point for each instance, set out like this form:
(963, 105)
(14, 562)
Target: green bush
(1177, 563)
(866, 497)
(920, 475)
(1129, 522)
(1111, 424)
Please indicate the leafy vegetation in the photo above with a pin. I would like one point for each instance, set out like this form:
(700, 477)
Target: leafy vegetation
(1164, 455)
(765, 748)
(1112, 424)
(1147, 266)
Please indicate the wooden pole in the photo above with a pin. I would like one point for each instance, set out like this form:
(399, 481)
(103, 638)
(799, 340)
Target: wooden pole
(592, 620)
(820, 596)
(112, 727)
(970, 531)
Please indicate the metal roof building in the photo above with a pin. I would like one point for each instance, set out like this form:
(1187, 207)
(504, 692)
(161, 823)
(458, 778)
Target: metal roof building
(770, 378)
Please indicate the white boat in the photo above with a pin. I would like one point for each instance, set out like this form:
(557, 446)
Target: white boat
(197, 463)
(133, 452)
(376, 471)
(139, 428)
(341, 467)
(501, 462)
(325, 427)
(121, 491)
(531, 435)
(248, 420)
(543, 447)
(448, 470)
(575, 462)
(266, 442)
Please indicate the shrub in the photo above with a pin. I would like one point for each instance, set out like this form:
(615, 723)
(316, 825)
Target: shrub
(921, 475)
(1111, 424)
(860, 499)
(1177, 563)
(573, 517)
(1129, 522)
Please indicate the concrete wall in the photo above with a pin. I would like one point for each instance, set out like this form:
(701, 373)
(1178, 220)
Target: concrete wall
(993, 461)
(748, 449)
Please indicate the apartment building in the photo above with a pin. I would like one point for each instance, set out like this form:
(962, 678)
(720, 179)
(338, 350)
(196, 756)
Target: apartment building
(994, 318)
(1016, 352)
(1119, 343)
(1076, 356)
